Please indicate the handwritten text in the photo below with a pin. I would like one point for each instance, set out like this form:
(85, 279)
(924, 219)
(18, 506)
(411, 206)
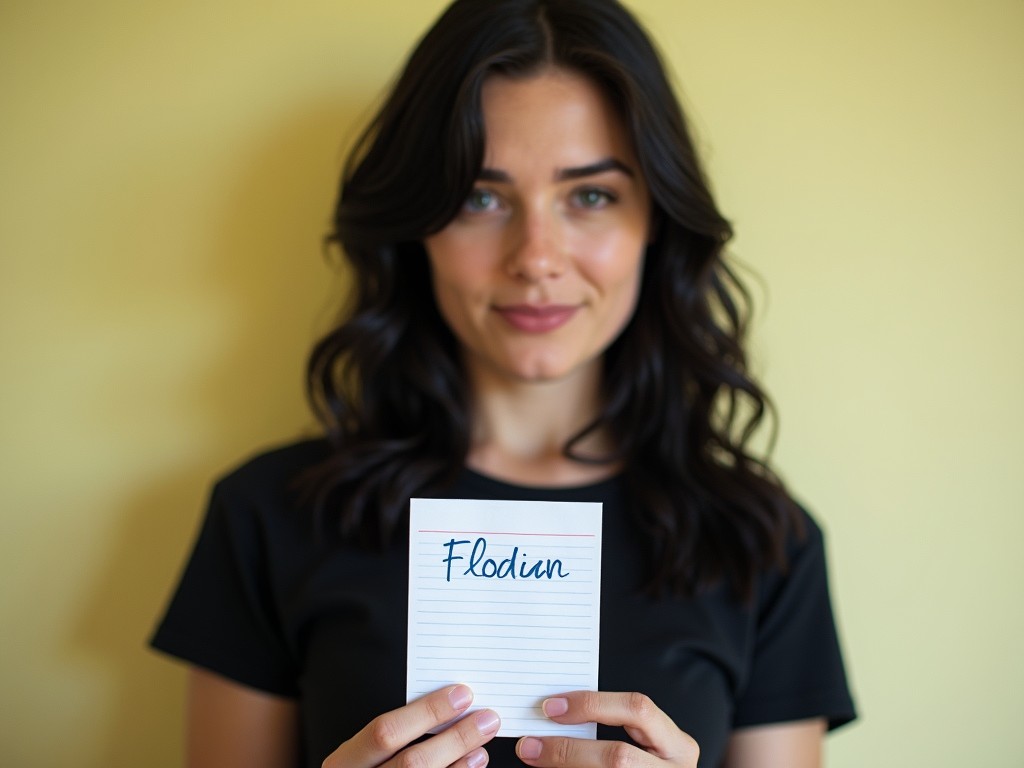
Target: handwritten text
(512, 567)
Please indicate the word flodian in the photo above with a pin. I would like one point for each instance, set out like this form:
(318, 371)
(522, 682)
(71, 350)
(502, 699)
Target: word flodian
(511, 567)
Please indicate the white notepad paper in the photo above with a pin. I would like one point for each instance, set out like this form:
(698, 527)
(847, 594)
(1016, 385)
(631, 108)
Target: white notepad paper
(505, 597)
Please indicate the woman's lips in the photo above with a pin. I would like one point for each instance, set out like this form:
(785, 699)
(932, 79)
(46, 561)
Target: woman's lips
(532, 319)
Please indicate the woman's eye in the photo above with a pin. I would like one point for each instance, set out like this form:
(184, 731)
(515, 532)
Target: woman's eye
(593, 197)
(480, 200)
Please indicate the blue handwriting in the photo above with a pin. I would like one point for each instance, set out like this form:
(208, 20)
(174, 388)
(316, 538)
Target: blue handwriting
(512, 567)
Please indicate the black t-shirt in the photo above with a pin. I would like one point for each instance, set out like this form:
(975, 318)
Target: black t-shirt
(262, 601)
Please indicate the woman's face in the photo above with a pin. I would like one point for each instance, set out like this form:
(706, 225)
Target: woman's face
(540, 270)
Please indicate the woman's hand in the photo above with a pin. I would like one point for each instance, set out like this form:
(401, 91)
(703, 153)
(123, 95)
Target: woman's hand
(661, 743)
(385, 740)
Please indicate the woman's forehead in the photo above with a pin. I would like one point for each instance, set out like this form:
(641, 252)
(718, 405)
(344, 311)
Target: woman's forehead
(555, 115)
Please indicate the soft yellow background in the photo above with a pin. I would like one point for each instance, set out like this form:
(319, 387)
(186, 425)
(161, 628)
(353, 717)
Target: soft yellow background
(166, 173)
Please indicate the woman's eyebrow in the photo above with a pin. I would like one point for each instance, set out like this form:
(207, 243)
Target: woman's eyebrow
(492, 174)
(601, 166)
(564, 174)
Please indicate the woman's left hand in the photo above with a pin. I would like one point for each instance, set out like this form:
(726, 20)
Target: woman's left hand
(661, 743)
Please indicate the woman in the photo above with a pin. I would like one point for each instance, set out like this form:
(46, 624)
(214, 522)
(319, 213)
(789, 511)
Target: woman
(540, 310)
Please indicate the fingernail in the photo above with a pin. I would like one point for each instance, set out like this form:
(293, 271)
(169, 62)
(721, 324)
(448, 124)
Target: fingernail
(460, 697)
(487, 721)
(555, 707)
(529, 748)
(477, 758)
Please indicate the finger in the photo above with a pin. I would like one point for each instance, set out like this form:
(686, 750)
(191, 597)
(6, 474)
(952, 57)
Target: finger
(458, 742)
(563, 752)
(645, 723)
(386, 734)
(478, 758)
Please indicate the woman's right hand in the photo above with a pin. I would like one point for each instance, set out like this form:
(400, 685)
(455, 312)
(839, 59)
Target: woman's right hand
(385, 741)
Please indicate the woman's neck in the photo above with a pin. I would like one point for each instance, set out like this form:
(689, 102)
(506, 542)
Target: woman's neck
(521, 429)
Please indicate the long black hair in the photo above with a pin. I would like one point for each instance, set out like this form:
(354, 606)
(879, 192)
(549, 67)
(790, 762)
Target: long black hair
(387, 383)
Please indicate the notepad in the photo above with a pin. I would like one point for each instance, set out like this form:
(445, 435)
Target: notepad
(505, 597)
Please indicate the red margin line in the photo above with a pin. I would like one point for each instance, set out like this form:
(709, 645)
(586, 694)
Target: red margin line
(513, 533)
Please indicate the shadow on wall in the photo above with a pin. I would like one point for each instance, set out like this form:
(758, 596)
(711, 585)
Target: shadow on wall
(266, 266)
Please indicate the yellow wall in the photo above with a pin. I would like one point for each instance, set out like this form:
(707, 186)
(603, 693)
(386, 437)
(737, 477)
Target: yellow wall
(166, 171)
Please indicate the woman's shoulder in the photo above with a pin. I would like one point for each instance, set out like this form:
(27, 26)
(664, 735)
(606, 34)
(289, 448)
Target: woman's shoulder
(805, 567)
(273, 471)
(805, 534)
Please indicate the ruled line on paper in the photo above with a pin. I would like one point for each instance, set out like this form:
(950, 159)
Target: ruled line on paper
(510, 610)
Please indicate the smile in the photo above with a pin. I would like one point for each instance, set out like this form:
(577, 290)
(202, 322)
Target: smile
(531, 319)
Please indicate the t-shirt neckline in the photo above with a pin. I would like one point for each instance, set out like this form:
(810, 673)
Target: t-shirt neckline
(492, 485)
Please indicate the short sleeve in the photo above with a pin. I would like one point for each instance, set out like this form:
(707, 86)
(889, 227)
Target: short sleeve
(223, 616)
(797, 670)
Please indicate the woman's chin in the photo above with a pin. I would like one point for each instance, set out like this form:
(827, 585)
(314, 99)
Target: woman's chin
(547, 371)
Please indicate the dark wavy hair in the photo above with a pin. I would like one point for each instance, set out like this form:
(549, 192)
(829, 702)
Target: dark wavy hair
(388, 384)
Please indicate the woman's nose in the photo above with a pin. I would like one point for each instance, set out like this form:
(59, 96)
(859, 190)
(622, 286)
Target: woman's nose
(536, 251)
